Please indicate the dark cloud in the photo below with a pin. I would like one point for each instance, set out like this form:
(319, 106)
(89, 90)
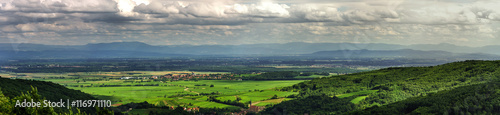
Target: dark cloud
(109, 18)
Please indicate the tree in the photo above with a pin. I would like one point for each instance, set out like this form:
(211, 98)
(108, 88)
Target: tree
(5, 105)
(33, 94)
(104, 111)
(274, 97)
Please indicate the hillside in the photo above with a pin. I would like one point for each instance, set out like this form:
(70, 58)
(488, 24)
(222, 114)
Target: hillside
(386, 86)
(12, 88)
(465, 100)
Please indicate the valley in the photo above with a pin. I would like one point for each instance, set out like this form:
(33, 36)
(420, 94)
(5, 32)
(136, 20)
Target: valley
(263, 90)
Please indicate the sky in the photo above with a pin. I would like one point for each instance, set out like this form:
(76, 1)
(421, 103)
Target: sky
(231, 22)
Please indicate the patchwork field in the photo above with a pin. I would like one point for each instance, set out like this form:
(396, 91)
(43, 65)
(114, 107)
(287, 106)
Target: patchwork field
(189, 93)
(185, 93)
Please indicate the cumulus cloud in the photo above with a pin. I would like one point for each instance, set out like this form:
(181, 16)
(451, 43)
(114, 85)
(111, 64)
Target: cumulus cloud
(158, 8)
(323, 14)
(130, 19)
(50, 6)
(268, 9)
(204, 10)
(157, 11)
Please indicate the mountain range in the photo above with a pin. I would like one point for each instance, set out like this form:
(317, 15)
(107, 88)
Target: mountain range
(143, 50)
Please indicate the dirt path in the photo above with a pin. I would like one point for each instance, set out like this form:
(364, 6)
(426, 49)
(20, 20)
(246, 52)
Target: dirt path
(118, 104)
(270, 100)
(165, 102)
(191, 91)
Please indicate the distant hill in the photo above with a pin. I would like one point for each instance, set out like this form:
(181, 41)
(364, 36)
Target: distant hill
(121, 46)
(390, 85)
(403, 53)
(139, 49)
(76, 54)
(48, 90)
(408, 53)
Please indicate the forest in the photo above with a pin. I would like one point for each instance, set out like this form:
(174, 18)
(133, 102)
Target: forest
(393, 85)
(475, 99)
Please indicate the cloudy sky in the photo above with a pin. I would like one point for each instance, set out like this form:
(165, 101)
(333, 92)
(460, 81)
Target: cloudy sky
(198, 22)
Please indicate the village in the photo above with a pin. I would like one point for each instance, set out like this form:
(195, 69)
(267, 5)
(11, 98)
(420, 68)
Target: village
(191, 76)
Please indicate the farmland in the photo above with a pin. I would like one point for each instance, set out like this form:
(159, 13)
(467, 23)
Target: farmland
(178, 90)
(209, 92)
(235, 88)
(172, 93)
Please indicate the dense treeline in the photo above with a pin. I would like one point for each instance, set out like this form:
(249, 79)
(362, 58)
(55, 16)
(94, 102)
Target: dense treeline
(217, 111)
(50, 91)
(153, 110)
(465, 100)
(250, 69)
(228, 102)
(314, 73)
(112, 85)
(314, 105)
(396, 84)
(283, 75)
(280, 75)
(167, 110)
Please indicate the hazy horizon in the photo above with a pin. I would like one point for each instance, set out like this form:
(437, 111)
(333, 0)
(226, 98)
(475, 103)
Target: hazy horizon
(246, 44)
(472, 23)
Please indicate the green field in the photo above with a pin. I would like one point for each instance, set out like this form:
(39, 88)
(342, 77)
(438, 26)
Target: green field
(271, 101)
(169, 93)
(228, 90)
(133, 93)
(361, 95)
(7, 75)
(358, 99)
(311, 76)
(232, 87)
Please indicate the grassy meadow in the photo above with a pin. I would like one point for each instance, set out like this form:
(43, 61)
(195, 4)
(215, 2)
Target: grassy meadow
(167, 94)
